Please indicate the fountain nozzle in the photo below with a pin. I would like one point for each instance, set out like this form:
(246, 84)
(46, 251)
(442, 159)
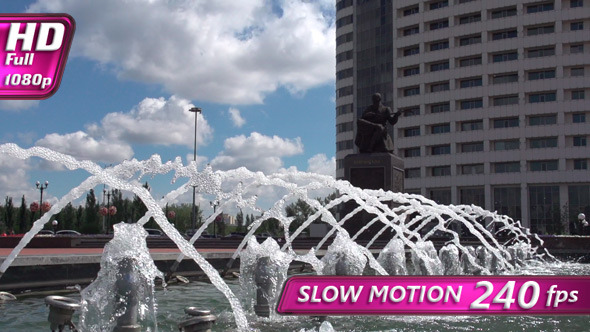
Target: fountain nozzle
(199, 321)
(61, 310)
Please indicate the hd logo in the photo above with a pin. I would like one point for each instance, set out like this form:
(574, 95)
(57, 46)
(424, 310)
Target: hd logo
(34, 53)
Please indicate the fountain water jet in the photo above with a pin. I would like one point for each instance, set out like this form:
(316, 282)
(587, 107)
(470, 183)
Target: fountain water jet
(413, 221)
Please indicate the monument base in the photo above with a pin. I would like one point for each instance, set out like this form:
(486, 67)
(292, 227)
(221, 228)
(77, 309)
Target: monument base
(371, 171)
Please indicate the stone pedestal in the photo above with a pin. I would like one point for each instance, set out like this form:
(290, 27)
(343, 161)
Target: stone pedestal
(371, 171)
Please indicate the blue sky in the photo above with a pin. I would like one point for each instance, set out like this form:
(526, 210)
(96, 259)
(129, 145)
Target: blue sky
(261, 70)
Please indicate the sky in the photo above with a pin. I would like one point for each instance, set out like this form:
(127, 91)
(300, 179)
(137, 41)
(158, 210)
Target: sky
(261, 70)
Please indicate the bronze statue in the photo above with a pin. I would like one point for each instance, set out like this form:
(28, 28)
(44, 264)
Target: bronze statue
(372, 134)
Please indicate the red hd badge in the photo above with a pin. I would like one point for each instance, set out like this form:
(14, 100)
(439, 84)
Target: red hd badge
(34, 48)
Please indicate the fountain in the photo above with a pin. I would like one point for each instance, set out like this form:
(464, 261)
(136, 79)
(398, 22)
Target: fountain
(122, 296)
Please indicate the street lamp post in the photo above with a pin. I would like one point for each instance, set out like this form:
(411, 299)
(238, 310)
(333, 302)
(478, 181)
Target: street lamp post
(214, 204)
(108, 223)
(54, 224)
(41, 187)
(195, 110)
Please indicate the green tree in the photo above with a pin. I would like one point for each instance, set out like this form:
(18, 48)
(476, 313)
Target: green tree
(240, 222)
(91, 224)
(9, 214)
(300, 211)
(23, 224)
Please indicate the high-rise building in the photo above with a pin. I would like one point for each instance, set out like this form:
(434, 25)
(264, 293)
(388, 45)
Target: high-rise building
(495, 97)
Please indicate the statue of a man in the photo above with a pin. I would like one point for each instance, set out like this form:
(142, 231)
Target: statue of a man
(372, 134)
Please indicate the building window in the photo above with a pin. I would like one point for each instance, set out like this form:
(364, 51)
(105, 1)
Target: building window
(543, 165)
(412, 152)
(541, 7)
(579, 202)
(472, 125)
(439, 66)
(438, 4)
(506, 122)
(412, 173)
(577, 71)
(440, 129)
(411, 111)
(440, 149)
(504, 34)
(505, 78)
(410, 132)
(472, 147)
(437, 87)
(507, 201)
(412, 71)
(577, 48)
(541, 52)
(412, 91)
(472, 169)
(578, 95)
(344, 21)
(411, 11)
(540, 30)
(344, 56)
(541, 120)
(343, 4)
(471, 104)
(440, 196)
(507, 167)
(580, 164)
(470, 82)
(344, 145)
(512, 144)
(541, 97)
(470, 18)
(545, 214)
(543, 142)
(465, 1)
(475, 196)
(542, 74)
(473, 61)
(575, 26)
(441, 171)
(345, 38)
(579, 117)
(507, 56)
(439, 45)
(505, 100)
(344, 109)
(439, 108)
(470, 40)
(411, 31)
(411, 50)
(576, 3)
(439, 25)
(344, 73)
(342, 127)
(345, 91)
(579, 140)
(504, 12)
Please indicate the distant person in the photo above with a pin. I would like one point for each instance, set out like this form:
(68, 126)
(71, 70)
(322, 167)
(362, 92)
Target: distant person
(583, 224)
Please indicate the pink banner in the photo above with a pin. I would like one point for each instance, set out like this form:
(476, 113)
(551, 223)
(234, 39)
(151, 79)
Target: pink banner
(35, 48)
(436, 295)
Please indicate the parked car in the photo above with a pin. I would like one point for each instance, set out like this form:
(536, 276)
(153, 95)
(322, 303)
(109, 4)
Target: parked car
(68, 232)
(45, 232)
(154, 232)
(236, 235)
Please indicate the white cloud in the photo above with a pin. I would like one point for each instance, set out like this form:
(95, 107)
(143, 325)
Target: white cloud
(322, 165)
(14, 180)
(236, 117)
(17, 105)
(83, 146)
(256, 152)
(224, 51)
(155, 121)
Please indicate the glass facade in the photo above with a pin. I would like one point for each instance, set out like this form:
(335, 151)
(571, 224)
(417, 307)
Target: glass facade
(507, 201)
(544, 210)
